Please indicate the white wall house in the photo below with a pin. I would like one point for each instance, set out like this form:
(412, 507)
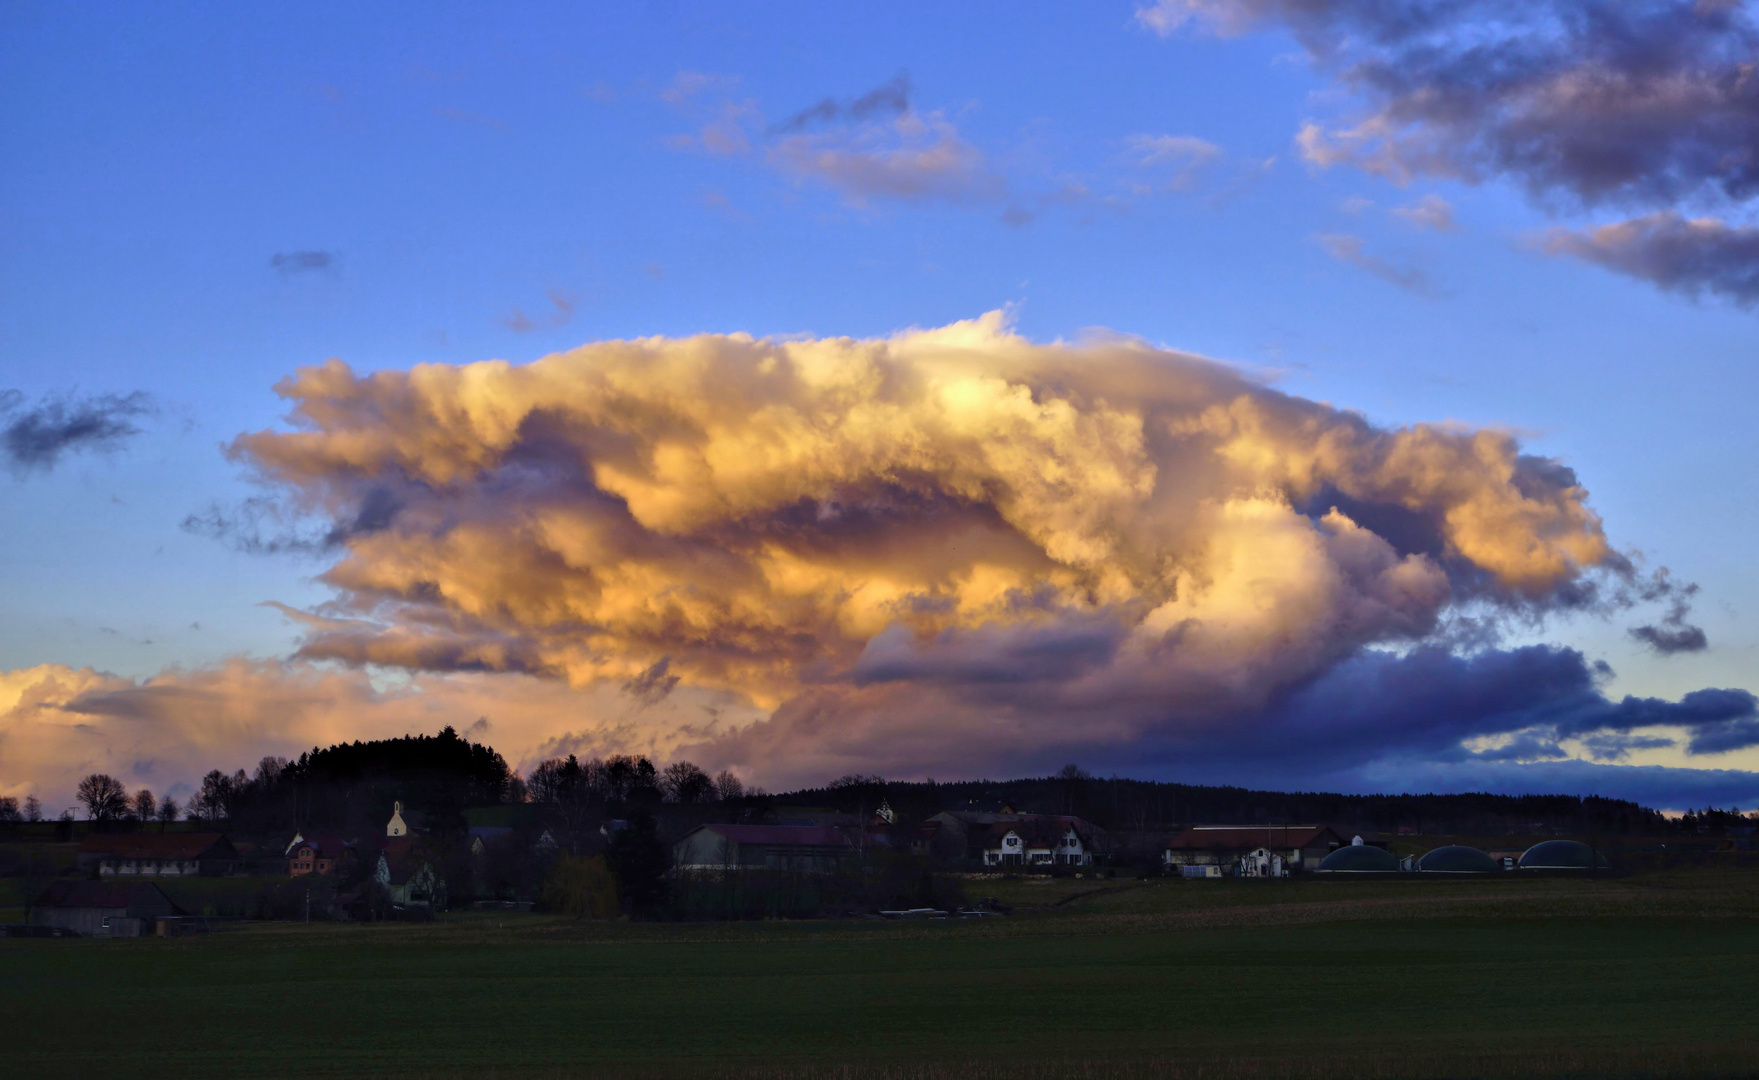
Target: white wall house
(1021, 844)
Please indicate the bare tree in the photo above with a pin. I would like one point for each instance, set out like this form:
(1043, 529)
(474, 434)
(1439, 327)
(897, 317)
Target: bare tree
(33, 808)
(728, 788)
(683, 782)
(9, 810)
(214, 799)
(144, 805)
(268, 771)
(167, 812)
(104, 796)
(554, 781)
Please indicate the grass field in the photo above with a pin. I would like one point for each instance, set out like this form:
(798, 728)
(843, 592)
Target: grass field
(1651, 977)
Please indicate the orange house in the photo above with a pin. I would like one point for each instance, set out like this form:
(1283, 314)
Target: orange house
(317, 855)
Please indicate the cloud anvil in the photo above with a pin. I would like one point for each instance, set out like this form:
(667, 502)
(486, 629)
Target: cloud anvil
(1110, 522)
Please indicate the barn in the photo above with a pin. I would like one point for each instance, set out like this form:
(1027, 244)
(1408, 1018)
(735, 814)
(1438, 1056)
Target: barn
(157, 854)
(762, 847)
(1301, 848)
(103, 908)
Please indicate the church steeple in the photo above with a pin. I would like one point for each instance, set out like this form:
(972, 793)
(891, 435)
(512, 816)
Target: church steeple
(396, 826)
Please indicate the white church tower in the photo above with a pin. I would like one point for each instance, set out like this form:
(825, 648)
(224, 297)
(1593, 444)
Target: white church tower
(396, 826)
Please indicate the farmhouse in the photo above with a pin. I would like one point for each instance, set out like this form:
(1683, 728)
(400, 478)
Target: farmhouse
(765, 847)
(102, 908)
(1011, 839)
(317, 854)
(409, 877)
(157, 854)
(1297, 848)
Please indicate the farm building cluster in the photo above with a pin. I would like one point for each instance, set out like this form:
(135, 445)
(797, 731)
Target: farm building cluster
(120, 893)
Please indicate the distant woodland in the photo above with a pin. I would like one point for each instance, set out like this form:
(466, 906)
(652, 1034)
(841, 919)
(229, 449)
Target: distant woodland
(349, 788)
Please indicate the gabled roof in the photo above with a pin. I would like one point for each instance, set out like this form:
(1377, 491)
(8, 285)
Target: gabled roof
(325, 845)
(783, 835)
(401, 858)
(131, 895)
(1249, 837)
(1038, 830)
(158, 845)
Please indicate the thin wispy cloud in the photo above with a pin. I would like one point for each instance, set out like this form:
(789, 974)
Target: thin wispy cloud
(1181, 157)
(1431, 212)
(468, 118)
(879, 147)
(871, 148)
(560, 313)
(888, 98)
(727, 123)
(1350, 249)
(303, 262)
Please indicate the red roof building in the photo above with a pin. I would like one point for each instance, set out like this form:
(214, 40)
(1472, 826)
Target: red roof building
(157, 854)
(408, 875)
(318, 854)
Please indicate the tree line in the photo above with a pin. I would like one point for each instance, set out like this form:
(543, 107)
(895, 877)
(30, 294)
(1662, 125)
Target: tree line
(351, 786)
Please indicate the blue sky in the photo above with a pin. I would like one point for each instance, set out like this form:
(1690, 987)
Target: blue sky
(451, 184)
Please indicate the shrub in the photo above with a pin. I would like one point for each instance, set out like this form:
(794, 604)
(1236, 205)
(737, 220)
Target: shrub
(581, 887)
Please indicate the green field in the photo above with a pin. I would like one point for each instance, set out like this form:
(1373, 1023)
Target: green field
(1654, 976)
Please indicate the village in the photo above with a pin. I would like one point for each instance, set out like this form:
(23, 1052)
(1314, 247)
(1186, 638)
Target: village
(748, 860)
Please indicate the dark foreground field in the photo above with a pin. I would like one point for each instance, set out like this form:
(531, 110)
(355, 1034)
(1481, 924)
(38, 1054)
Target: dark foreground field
(1643, 977)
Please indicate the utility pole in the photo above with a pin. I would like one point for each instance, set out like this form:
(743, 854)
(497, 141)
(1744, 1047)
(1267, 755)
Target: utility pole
(30, 881)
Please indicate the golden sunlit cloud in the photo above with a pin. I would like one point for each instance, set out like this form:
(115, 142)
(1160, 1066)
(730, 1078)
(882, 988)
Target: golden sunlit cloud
(935, 551)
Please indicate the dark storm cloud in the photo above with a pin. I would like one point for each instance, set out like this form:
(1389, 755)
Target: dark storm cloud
(1650, 104)
(992, 654)
(1646, 101)
(1660, 786)
(1610, 747)
(1378, 721)
(1672, 633)
(1668, 639)
(37, 437)
(1718, 739)
(1693, 257)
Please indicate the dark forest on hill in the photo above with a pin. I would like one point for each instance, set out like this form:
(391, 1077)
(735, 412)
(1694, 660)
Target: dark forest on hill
(354, 784)
(350, 787)
(1123, 805)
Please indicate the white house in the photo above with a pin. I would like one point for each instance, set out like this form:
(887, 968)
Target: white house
(408, 877)
(1262, 863)
(1036, 840)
